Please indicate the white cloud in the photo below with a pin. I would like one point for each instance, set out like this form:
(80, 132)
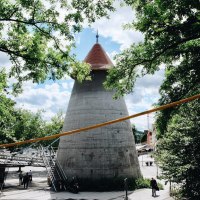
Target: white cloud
(143, 122)
(112, 55)
(146, 93)
(50, 97)
(5, 62)
(65, 85)
(4, 59)
(113, 27)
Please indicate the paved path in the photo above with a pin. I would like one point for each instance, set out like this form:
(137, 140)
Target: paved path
(39, 190)
(41, 194)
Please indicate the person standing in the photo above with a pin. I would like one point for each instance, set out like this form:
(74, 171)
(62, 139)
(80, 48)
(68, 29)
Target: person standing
(30, 175)
(154, 187)
(20, 177)
(26, 181)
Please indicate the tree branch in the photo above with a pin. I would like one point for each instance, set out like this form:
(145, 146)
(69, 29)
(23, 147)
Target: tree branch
(174, 45)
(29, 22)
(14, 11)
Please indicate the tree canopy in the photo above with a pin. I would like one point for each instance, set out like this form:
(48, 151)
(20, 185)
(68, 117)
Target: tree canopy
(6, 111)
(25, 125)
(171, 38)
(180, 82)
(20, 124)
(38, 36)
(138, 135)
(178, 150)
(178, 127)
(171, 34)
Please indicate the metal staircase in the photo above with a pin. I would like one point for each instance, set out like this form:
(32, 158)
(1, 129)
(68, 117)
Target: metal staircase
(55, 172)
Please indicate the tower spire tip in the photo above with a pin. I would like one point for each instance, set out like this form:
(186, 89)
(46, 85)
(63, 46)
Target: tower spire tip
(97, 37)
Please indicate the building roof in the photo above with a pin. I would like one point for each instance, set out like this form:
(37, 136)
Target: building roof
(98, 58)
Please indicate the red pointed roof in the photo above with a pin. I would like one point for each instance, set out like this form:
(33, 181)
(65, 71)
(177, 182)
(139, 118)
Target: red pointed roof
(98, 58)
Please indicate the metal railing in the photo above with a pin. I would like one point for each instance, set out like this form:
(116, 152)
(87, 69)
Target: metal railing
(44, 156)
(55, 172)
(23, 160)
(59, 168)
(49, 168)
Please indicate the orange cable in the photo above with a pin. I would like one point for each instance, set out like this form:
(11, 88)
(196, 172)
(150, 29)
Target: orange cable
(103, 124)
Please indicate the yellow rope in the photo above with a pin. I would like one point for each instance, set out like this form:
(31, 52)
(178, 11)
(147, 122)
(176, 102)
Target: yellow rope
(105, 123)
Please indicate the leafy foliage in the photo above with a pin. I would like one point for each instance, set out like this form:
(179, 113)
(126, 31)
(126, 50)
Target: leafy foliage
(6, 111)
(138, 135)
(178, 151)
(113, 184)
(181, 81)
(18, 124)
(53, 127)
(171, 37)
(28, 125)
(144, 137)
(38, 36)
(171, 33)
(145, 183)
(178, 127)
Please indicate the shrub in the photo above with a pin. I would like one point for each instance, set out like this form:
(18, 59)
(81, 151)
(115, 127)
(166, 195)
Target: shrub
(113, 184)
(145, 183)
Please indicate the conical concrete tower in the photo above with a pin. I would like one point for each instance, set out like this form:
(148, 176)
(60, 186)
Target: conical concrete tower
(107, 152)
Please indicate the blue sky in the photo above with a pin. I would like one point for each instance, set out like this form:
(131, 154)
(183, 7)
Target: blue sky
(87, 38)
(51, 97)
